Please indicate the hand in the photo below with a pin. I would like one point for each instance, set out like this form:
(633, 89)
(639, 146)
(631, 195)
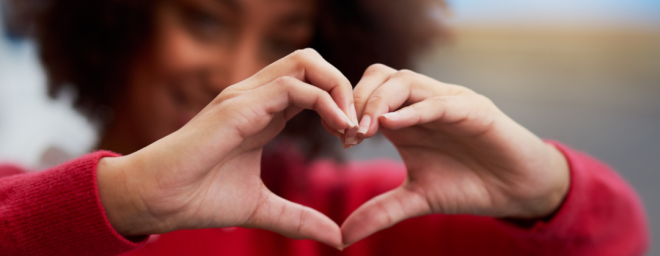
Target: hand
(207, 174)
(463, 155)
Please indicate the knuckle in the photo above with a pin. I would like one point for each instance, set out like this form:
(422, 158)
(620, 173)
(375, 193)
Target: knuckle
(378, 69)
(298, 55)
(418, 108)
(311, 52)
(359, 97)
(301, 55)
(281, 85)
(376, 98)
(283, 82)
(301, 58)
(302, 221)
(227, 94)
(404, 74)
(437, 101)
(374, 102)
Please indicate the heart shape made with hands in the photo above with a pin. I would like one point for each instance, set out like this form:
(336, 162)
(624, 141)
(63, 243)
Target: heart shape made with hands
(270, 179)
(353, 226)
(462, 154)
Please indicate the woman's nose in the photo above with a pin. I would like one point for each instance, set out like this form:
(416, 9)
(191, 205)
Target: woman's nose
(246, 60)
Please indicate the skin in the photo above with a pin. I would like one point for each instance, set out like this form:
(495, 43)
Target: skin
(463, 155)
(196, 118)
(199, 48)
(207, 174)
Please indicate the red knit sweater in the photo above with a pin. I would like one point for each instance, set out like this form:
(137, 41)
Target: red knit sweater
(58, 212)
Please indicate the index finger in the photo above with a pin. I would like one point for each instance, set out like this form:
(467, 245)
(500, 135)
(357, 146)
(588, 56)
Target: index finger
(308, 66)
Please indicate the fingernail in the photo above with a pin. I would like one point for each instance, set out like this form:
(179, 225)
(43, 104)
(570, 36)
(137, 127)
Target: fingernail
(350, 123)
(350, 137)
(340, 131)
(364, 125)
(390, 115)
(348, 120)
(351, 141)
(353, 113)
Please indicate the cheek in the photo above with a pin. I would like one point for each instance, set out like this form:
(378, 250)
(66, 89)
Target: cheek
(177, 53)
(150, 108)
(177, 64)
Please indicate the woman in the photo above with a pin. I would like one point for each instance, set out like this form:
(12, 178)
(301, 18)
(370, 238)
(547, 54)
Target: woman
(187, 92)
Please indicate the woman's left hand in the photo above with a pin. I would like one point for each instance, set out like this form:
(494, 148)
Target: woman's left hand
(463, 155)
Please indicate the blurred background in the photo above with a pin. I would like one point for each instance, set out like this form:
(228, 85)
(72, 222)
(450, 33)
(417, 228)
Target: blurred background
(586, 73)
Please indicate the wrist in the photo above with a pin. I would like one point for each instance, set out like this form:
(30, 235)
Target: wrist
(562, 180)
(121, 204)
(550, 202)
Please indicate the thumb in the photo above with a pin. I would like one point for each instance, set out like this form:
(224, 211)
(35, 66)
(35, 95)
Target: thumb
(294, 221)
(382, 212)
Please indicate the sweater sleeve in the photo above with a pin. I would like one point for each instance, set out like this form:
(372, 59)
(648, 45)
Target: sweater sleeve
(601, 215)
(57, 212)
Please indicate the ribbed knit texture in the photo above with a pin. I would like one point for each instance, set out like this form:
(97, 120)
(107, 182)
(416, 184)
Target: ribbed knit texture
(57, 212)
(602, 215)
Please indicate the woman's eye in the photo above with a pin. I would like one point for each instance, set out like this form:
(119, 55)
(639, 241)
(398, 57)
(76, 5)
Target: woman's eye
(204, 25)
(206, 21)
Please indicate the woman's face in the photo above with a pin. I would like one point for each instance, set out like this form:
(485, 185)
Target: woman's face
(198, 48)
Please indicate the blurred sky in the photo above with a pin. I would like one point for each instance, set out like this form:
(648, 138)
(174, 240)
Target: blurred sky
(588, 13)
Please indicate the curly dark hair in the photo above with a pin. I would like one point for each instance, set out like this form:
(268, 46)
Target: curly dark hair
(86, 44)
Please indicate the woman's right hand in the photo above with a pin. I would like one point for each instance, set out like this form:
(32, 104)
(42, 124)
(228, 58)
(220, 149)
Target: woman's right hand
(207, 174)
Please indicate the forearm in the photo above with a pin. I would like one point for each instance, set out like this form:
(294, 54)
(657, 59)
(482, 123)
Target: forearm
(57, 212)
(601, 215)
